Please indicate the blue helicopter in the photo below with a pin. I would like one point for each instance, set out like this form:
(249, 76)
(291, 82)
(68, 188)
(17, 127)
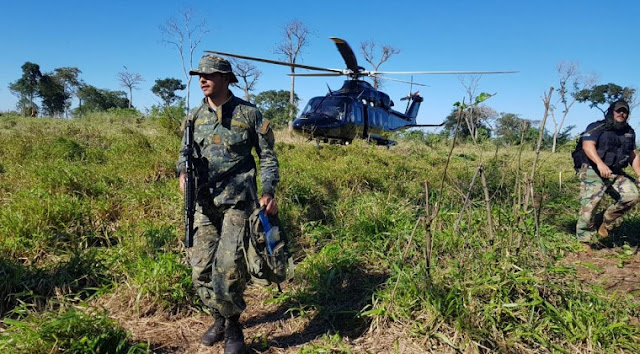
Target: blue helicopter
(357, 109)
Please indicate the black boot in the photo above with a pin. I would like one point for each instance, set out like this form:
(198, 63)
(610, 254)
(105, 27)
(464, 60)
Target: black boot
(233, 338)
(215, 333)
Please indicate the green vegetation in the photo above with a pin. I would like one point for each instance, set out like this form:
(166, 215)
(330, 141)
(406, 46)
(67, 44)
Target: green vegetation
(90, 223)
(275, 106)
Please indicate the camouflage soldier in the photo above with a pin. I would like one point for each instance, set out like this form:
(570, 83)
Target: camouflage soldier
(608, 146)
(226, 129)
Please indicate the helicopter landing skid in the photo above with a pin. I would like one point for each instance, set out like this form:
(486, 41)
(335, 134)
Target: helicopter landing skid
(379, 140)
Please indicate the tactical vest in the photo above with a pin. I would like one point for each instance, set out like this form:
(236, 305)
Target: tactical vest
(613, 146)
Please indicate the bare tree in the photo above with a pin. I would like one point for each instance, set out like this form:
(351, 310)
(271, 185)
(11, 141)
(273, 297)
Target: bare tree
(369, 52)
(295, 39)
(185, 33)
(131, 81)
(571, 81)
(248, 74)
(467, 111)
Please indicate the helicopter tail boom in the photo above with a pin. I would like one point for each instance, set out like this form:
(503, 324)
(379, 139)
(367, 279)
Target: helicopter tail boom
(412, 110)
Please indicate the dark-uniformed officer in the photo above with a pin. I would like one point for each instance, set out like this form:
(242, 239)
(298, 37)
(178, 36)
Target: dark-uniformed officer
(608, 146)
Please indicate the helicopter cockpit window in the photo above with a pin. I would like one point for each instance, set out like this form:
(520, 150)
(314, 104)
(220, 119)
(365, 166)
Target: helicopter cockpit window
(334, 107)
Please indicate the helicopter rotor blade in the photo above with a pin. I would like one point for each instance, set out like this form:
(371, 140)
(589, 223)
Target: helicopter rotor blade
(403, 81)
(318, 74)
(439, 72)
(347, 54)
(295, 65)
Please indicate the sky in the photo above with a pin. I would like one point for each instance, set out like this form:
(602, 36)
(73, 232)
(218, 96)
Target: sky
(532, 37)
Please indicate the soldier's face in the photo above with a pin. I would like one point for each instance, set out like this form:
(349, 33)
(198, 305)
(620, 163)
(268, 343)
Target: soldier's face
(214, 84)
(620, 115)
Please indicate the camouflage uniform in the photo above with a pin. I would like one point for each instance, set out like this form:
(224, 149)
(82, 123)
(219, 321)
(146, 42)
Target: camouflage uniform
(224, 139)
(592, 188)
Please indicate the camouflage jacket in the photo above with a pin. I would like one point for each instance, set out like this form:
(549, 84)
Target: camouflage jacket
(223, 140)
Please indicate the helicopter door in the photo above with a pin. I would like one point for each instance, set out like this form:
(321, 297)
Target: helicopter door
(365, 119)
(356, 114)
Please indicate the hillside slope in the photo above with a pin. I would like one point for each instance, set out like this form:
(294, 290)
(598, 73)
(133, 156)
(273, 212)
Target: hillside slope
(90, 229)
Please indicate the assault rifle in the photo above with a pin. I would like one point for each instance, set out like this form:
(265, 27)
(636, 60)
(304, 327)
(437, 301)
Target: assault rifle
(190, 184)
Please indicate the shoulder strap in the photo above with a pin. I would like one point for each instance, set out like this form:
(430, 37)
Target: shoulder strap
(195, 115)
(592, 130)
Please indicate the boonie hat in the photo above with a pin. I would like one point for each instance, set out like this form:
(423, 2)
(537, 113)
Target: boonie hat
(210, 64)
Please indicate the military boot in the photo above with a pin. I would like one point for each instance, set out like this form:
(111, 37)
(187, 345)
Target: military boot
(233, 338)
(215, 333)
(603, 230)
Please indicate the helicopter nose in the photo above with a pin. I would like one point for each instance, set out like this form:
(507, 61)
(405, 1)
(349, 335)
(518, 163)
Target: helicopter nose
(304, 125)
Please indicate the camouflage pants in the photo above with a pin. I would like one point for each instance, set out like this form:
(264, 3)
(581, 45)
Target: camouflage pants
(592, 189)
(219, 269)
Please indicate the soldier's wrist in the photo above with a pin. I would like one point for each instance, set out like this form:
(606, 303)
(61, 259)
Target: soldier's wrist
(268, 191)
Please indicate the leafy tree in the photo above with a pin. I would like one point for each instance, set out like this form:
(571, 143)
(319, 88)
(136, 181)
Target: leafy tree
(25, 108)
(54, 98)
(605, 95)
(169, 117)
(474, 119)
(451, 121)
(563, 137)
(166, 90)
(99, 100)
(27, 86)
(513, 130)
(69, 78)
(509, 127)
(129, 80)
(275, 106)
(386, 51)
(295, 39)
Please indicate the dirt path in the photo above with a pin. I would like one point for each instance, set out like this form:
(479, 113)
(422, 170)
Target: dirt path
(268, 328)
(614, 267)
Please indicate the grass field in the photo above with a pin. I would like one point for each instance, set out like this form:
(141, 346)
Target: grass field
(90, 230)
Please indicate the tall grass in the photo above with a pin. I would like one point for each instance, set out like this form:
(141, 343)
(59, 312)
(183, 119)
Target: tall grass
(90, 218)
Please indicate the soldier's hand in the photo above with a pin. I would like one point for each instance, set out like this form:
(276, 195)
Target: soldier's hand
(183, 178)
(267, 201)
(605, 171)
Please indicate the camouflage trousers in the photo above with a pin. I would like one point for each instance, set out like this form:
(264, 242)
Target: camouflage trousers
(219, 268)
(621, 188)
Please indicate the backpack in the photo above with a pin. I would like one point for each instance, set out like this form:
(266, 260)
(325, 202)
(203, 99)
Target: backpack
(275, 267)
(578, 154)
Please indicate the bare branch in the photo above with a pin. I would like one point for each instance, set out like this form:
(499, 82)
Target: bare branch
(369, 53)
(248, 74)
(295, 39)
(185, 37)
(129, 80)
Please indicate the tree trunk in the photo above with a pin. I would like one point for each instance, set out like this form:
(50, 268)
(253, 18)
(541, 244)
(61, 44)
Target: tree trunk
(292, 92)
